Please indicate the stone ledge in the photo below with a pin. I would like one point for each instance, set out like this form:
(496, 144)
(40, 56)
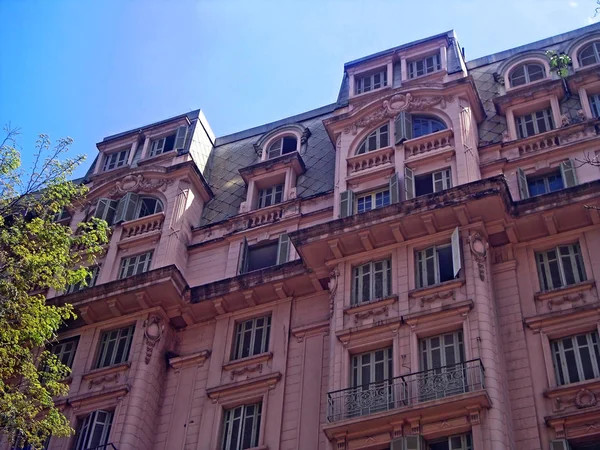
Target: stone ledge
(104, 371)
(249, 360)
(566, 291)
(181, 362)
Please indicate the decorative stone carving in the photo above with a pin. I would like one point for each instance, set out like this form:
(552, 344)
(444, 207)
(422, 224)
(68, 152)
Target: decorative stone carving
(580, 115)
(564, 120)
(305, 135)
(372, 312)
(247, 369)
(565, 299)
(137, 183)
(104, 379)
(332, 285)
(585, 399)
(436, 296)
(153, 331)
(479, 248)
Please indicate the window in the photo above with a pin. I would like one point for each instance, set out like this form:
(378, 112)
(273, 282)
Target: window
(94, 430)
(264, 254)
(438, 263)
(371, 82)
(241, 427)
(114, 160)
(114, 347)
(20, 443)
(534, 123)
(135, 265)
(65, 350)
(422, 125)
(252, 337)
(373, 200)
(424, 66)
(590, 54)
(90, 281)
(576, 358)
(427, 183)
(106, 209)
(63, 214)
(563, 177)
(560, 267)
(167, 143)
(282, 146)
(375, 140)
(131, 206)
(526, 73)
(270, 196)
(439, 355)
(372, 281)
(595, 105)
(372, 367)
(457, 442)
(148, 206)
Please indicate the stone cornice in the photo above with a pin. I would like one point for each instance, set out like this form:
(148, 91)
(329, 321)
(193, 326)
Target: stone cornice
(261, 382)
(195, 359)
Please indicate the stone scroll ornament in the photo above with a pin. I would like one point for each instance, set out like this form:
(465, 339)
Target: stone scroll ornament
(479, 248)
(153, 332)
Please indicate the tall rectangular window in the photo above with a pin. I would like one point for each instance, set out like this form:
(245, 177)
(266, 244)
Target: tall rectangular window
(241, 427)
(372, 367)
(534, 123)
(94, 431)
(367, 83)
(135, 265)
(114, 160)
(424, 66)
(576, 358)
(90, 281)
(65, 350)
(434, 265)
(595, 104)
(372, 281)
(560, 267)
(270, 196)
(252, 337)
(441, 376)
(372, 200)
(114, 346)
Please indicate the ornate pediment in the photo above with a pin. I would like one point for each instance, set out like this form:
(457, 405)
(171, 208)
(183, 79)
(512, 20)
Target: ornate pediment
(138, 183)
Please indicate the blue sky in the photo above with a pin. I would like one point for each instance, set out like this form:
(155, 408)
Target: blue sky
(87, 69)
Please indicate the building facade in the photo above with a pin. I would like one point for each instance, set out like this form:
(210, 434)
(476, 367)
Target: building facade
(412, 267)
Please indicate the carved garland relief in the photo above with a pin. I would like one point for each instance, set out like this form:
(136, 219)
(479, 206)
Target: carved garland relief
(137, 183)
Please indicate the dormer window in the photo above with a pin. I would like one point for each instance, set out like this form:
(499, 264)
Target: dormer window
(175, 141)
(534, 123)
(595, 105)
(424, 66)
(270, 196)
(526, 73)
(370, 82)
(114, 160)
(423, 125)
(282, 146)
(590, 54)
(129, 207)
(377, 139)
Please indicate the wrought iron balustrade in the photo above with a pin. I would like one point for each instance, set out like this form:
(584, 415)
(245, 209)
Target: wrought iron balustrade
(405, 390)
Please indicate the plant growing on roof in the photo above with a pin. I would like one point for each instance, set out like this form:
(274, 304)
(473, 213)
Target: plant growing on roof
(559, 63)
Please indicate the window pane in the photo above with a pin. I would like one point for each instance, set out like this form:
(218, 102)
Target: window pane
(445, 263)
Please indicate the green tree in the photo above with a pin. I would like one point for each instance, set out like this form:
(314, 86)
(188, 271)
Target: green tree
(36, 254)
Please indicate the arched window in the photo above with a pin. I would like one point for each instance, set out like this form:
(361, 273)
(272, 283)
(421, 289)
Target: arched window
(423, 125)
(526, 73)
(282, 146)
(590, 54)
(147, 206)
(378, 138)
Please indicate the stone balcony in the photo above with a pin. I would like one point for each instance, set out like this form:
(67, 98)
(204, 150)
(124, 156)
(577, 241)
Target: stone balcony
(428, 143)
(370, 161)
(147, 227)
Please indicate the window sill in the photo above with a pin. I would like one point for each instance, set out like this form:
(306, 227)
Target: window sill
(373, 304)
(96, 374)
(416, 79)
(572, 388)
(249, 360)
(565, 292)
(436, 288)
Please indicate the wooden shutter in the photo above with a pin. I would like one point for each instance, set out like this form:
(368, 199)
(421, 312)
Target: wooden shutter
(180, 138)
(101, 208)
(409, 183)
(243, 261)
(522, 181)
(567, 170)
(403, 127)
(283, 249)
(456, 258)
(394, 192)
(127, 207)
(346, 204)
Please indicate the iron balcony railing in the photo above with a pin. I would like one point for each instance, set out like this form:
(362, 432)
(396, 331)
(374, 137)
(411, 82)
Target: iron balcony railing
(405, 390)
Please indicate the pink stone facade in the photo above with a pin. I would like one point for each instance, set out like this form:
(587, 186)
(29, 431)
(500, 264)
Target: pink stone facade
(412, 267)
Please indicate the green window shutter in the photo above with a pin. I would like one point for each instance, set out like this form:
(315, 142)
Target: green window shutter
(522, 181)
(409, 183)
(127, 207)
(346, 204)
(243, 261)
(283, 249)
(456, 257)
(403, 127)
(567, 170)
(394, 192)
(101, 208)
(180, 137)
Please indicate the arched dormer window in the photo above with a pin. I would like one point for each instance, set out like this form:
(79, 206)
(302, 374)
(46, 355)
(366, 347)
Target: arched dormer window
(526, 73)
(129, 207)
(282, 146)
(147, 206)
(377, 139)
(590, 54)
(422, 125)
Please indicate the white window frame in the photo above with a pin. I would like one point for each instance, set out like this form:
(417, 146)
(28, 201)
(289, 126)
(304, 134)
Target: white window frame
(275, 149)
(252, 327)
(442, 180)
(522, 121)
(66, 347)
(596, 47)
(421, 265)
(230, 423)
(526, 75)
(115, 160)
(143, 261)
(90, 283)
(116, 336)
(359, 82)
(466, 441)
(270, 194)
(426, 348)
(435, 62)
(595, 105)
(356, 365)
(87, 430)
(369, 269)
(373, 196)
(560, 361)
(573, 252)
(158, 207)
(383, 130)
